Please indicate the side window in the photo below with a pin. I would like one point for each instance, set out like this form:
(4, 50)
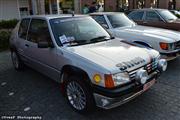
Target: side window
(136, 15)
(152, 16)
(23, 28)
(38, 31)
(101, 20)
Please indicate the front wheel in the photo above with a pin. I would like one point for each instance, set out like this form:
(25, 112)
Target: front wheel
(17, 63)
(78, 95)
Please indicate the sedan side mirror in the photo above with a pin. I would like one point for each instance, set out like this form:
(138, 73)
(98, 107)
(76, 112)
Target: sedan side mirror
(44, 44)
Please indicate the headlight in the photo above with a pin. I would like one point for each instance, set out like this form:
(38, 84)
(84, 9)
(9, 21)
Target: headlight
(116, 79)
(121, 78)
(167, 46)
(162, 65)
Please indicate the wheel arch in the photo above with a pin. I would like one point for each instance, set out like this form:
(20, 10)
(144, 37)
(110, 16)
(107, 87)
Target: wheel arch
(143, 43)
(73, 70)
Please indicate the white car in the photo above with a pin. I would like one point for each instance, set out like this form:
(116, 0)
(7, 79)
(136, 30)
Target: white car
(93, 68)
(167, 42)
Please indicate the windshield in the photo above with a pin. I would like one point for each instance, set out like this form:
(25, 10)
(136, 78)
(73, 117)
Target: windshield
(168, 16)
(119, 20)
(77, 31)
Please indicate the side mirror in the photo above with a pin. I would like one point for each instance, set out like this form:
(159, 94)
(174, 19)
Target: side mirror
(45, 44)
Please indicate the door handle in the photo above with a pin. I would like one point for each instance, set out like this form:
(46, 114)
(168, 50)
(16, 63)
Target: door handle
(26, 45)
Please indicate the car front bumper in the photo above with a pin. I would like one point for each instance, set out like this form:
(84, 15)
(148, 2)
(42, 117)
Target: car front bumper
(170, 55)
(110, 98)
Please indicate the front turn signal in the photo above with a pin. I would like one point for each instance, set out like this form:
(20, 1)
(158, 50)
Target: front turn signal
(164, 46)
(109, 83)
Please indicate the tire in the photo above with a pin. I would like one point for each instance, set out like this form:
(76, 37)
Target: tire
(17, 63)
(78, 95)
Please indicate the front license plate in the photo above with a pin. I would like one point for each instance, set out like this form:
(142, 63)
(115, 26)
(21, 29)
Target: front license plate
(149, 84)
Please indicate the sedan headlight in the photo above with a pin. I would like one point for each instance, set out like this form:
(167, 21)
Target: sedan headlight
(116, 79)
(121, 78)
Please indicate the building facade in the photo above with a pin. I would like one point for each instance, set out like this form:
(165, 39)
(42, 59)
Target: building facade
(15, 9)
(121, 5)
(165, 4)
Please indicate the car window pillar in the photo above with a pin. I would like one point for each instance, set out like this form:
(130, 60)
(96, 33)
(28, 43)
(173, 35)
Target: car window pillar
(162, 19)
(108, 22)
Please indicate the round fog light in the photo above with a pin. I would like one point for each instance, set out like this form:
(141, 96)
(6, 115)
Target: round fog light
(142, 76)
(162, 65)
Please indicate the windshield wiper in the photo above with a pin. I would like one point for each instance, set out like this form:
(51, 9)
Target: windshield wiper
(100, 38)
(75, 42)
(83, 42)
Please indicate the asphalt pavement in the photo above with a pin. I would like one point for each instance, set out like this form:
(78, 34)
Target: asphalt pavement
(31, 94)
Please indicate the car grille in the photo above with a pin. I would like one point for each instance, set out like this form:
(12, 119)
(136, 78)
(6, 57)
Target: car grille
(177, 45)
(132, 74)
(150, 68)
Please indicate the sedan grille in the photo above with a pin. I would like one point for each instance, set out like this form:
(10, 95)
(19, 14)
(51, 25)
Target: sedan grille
(177, 45)
(132, 74)
(150, 68)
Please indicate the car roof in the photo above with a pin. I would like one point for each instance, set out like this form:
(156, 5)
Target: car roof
(105, 13)
(54, 16)
(146, 9)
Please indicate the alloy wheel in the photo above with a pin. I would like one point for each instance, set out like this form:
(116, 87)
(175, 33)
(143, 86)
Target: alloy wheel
(76, 95)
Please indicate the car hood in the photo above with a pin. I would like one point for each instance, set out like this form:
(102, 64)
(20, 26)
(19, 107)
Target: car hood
(145, 33)
(113, 54)
(176, 21)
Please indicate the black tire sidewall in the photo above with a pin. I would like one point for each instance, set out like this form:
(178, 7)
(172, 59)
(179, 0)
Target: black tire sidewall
(20, 66)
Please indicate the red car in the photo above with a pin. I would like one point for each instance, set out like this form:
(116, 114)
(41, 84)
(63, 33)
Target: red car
(161, 18)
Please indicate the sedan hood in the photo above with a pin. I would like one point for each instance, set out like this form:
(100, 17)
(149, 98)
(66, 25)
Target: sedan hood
(113, 54)
(177, 21)
(144, 33)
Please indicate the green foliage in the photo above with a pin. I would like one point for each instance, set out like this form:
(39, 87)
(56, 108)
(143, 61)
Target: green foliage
(178, 16)
(8, 24)
(4, 40)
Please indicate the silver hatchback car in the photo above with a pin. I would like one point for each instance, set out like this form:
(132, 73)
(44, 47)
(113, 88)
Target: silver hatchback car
(92, 69)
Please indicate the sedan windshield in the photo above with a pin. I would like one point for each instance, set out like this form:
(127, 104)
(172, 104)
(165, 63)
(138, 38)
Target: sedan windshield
(77, 31)
(120, 20)
(168, 16)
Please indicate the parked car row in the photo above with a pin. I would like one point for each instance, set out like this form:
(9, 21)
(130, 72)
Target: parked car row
(161, 18)
(167, 42)
(93, 67)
